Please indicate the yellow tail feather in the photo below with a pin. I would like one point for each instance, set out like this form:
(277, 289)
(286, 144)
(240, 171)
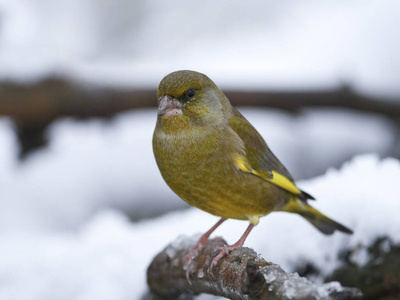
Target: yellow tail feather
(318, 219)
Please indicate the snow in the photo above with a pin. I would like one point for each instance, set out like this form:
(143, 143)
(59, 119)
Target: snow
(108, 256)
(361, 195)
(254, 44)
(65, 217)
(296, 286)
(87, 166)
(64, 234)
(93, 165)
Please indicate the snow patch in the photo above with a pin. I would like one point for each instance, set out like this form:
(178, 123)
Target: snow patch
(107, 258)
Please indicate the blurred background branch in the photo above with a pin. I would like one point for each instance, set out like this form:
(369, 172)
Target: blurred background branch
(35, 106)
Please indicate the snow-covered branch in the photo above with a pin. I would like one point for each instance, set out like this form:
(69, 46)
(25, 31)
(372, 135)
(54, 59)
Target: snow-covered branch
(240, 275)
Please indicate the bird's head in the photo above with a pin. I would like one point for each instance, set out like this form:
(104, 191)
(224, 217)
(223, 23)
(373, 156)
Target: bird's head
(193, 96)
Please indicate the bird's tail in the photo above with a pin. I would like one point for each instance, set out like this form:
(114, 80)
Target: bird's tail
(318, 219)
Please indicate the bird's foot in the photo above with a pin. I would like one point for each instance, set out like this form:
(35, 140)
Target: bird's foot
(192, 255)
(223, 250)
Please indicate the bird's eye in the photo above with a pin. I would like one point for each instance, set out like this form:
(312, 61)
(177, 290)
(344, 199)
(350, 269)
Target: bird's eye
(190, 93)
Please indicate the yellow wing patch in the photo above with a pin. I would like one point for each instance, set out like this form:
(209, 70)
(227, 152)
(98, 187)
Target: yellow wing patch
(273, 177)
(243, 164)
(285, 183)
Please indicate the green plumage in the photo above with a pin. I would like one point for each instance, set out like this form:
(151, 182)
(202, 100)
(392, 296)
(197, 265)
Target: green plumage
(215, 160)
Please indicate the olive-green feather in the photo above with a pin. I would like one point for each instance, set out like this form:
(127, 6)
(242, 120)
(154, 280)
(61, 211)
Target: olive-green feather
(261, 159)
(214, 159)
(323, 223)
(257, 151)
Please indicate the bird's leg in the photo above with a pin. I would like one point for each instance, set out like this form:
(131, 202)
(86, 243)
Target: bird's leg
(224, 250)
(192, 254)
(202, 242)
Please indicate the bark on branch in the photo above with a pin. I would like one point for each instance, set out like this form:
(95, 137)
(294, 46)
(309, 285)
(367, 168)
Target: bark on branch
(240, 275)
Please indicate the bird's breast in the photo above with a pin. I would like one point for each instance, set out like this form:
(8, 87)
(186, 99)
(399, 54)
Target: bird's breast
(199, 167)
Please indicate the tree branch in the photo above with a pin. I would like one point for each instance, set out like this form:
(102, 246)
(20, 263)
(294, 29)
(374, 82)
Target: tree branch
(240, 275)
(35, 106)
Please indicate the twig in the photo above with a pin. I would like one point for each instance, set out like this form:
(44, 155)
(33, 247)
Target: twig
(240, 275)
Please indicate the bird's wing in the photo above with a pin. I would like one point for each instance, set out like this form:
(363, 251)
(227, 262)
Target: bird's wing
(259, 159)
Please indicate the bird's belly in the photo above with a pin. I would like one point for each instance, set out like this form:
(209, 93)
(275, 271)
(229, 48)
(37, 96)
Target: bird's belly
(202, 171)
(225, 192)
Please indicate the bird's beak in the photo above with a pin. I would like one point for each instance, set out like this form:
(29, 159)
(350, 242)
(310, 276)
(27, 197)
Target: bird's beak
(169, 107)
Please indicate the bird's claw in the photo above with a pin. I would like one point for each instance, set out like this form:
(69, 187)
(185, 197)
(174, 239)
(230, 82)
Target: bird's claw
(188, 260)
(223, 250)
(191, 256)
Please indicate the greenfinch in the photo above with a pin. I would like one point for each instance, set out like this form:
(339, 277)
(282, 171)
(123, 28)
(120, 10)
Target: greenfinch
(215, 160)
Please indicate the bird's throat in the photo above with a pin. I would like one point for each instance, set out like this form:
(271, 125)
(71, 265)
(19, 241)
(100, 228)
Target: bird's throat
(173, 124)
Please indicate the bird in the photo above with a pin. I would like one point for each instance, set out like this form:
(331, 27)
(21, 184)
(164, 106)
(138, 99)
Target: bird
(214, 159)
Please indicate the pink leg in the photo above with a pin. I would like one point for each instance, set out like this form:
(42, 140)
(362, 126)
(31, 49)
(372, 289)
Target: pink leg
(224, 250)
(192, 254)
